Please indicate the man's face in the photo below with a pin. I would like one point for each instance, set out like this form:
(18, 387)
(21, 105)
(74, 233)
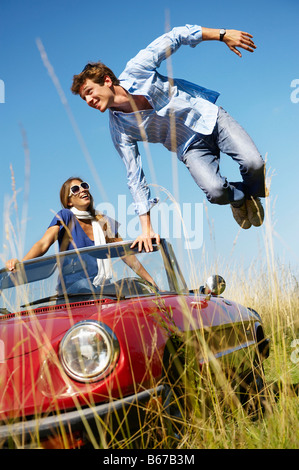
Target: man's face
(98, 96)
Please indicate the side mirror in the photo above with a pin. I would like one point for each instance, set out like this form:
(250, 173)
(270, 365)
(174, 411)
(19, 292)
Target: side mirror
(215, 285)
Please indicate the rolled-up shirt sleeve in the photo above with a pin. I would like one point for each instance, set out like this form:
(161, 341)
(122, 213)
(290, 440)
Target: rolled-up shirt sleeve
(153, 55)
(137, 184)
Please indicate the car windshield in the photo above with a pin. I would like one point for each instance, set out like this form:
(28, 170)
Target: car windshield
(112, 271)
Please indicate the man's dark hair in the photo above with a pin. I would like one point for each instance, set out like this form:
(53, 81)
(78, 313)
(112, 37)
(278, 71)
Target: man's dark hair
(95, 71)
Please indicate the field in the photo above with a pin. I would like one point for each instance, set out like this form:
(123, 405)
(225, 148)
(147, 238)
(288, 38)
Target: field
(211, 417)
(275, 296)
(222, 425)
(272, 289)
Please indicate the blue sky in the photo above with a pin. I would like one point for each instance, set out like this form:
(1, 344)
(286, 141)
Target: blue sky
(256, 90)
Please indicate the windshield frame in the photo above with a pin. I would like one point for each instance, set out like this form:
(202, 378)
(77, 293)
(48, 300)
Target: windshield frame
(43, 267)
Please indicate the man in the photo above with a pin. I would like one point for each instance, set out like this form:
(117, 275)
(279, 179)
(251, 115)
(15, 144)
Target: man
(144, 105)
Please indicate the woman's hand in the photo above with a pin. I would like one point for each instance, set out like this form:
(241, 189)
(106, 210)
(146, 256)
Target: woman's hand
(11, 264)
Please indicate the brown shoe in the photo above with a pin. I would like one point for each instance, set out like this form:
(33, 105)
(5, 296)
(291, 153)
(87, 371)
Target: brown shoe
(255, 211)
(241, 216)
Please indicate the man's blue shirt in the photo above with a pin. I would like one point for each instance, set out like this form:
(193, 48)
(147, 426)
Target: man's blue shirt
(181, 110)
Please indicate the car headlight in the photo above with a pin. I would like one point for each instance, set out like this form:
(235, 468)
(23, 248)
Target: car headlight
(88, 351)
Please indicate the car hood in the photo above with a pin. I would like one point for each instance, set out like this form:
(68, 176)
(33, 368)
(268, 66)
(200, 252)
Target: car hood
(27, 331)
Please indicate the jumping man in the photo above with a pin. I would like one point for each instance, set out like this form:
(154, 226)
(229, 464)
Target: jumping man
(144, 104)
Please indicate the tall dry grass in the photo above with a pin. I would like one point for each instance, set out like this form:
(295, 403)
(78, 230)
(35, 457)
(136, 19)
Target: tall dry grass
(221, 423)
(269, 287)
(272, 289)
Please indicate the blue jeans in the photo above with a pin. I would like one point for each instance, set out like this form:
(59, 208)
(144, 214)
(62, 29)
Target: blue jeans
(202, 159)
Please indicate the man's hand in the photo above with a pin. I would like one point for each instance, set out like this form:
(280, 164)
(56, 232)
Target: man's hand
(146, 241)
(148, 234)
(234, 39)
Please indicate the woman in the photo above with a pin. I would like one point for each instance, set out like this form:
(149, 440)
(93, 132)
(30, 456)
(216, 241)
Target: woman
(78, 225)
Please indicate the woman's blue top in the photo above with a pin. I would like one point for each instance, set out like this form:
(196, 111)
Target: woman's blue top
(65, 218)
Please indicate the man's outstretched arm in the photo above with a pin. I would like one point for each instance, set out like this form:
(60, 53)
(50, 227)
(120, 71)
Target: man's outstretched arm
(232, 38)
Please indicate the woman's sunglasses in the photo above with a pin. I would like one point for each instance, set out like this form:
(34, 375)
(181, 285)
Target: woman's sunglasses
(75, 190)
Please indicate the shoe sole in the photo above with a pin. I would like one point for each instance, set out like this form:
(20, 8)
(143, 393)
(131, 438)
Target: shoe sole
(243, 221)
(255, 211)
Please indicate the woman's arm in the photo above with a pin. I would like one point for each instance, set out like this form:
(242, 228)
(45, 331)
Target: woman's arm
(137, 267)
(39, 248)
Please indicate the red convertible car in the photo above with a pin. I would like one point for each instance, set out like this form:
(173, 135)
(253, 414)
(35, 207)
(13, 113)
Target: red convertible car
(85, 363)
